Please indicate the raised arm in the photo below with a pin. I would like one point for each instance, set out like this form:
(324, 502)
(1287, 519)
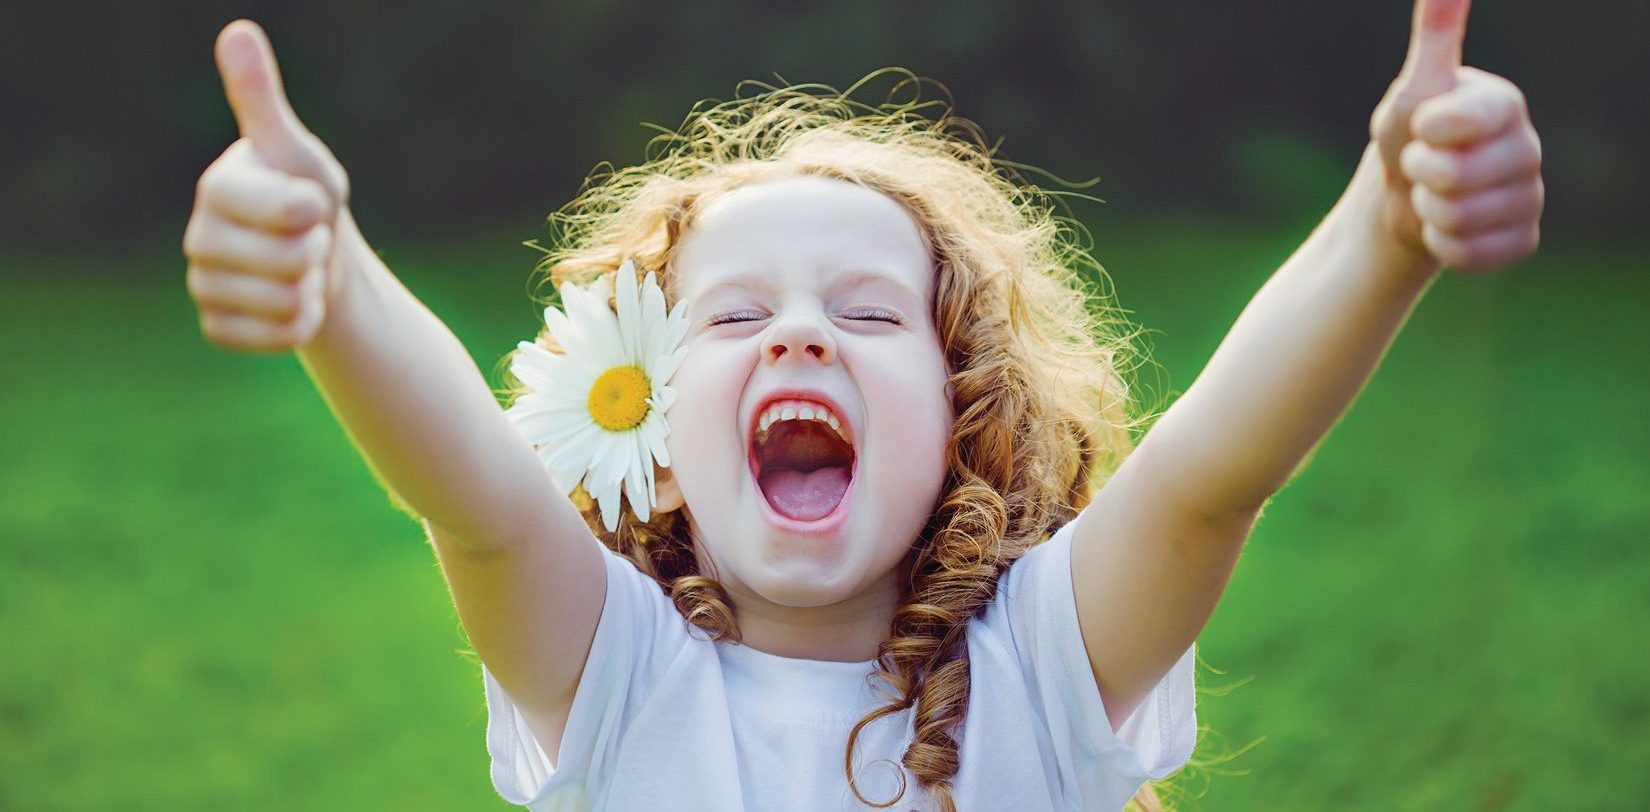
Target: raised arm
(525, 572)
(1451, 176)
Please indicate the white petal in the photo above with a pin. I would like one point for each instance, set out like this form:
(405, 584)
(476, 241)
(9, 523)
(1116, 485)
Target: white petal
(678, 322)
(557, 430)
(567, 331)
(541, 426)
(545, 371)
(630, 330)
(662, 367)
(558, 400)
(663, 398)
(647, 471)
(653, 301)
(663, 342)
(611, 459)
(580, 341)
(569, 461)
(597, 324)
(636, 481)
(531, 366)
(564, 480)
(608, 499)
(655, 429)
(653, 318)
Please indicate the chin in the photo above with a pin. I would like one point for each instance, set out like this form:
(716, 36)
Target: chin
(802, 590)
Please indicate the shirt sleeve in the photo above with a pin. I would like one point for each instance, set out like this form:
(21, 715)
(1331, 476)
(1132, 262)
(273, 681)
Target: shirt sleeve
(1041, 606)
(638, 627)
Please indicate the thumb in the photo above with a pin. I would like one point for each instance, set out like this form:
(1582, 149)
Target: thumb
(1429, 69)
(1434, 46)
(252, 83)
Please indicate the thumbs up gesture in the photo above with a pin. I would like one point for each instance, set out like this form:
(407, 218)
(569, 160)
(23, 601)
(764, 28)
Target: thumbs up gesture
(1462, 161)
(261, 241)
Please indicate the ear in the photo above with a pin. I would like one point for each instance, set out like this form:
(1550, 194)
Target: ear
(665, 487)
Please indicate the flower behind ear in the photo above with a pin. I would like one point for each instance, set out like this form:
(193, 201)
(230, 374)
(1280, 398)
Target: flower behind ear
(595, 412)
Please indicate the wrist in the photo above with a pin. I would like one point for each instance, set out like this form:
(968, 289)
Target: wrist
(1366, 214)
(347, 274)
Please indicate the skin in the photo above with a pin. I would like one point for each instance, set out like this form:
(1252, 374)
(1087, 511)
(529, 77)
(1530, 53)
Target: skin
(775, 255)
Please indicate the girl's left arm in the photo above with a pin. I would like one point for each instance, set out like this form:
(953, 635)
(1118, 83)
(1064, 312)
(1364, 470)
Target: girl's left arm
(1451, 177)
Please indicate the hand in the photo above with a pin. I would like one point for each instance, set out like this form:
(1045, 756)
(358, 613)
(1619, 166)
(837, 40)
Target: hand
(1462, 161)
(261, 242)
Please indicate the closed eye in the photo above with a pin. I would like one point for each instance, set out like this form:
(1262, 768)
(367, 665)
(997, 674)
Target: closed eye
(873, 314)
(733, 316)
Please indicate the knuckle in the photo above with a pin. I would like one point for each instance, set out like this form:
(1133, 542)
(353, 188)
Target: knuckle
(284, 302)
(1505, 88)
(196, 238)
(313, 195)
(1530, 239)
(332, 177)
(317, 244)
(1433, 107)
(1457, 255)
(1378, 119)
(213, 328)
(1411, 158)
(207, 184)
(197, 283)
(290, 255)
(1449, 217)
(300, 210)
(1530, 149)
(340, 184)
(275, 337)
(1447, 249)
(1424, 202)
(1445, 177)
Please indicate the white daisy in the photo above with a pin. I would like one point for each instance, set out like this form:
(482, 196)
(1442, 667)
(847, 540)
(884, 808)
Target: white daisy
(596, 411)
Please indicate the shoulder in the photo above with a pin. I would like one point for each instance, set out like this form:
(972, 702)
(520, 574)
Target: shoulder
(1031, 600)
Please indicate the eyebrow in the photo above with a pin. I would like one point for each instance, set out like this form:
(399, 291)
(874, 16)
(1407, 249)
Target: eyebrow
(840, 279)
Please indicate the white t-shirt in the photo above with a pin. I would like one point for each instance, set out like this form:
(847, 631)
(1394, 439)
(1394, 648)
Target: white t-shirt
(666, 719)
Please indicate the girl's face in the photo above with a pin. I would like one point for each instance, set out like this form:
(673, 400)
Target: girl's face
(811, 292)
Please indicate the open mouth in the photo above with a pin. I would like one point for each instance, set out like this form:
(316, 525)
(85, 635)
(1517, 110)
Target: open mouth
(802, 460)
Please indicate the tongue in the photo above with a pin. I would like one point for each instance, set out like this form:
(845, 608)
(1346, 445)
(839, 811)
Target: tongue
(805, 495)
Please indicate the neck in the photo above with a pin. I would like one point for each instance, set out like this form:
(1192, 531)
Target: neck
(848, 631)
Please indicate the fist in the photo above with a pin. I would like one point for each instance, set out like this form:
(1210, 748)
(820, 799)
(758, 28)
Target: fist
(1462, 161)
(261, 240)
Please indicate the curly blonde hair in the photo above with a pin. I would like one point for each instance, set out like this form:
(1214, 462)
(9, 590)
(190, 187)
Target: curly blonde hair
(1036, 358)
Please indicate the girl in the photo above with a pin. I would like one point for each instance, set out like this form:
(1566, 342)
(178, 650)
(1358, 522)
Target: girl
(895, 545)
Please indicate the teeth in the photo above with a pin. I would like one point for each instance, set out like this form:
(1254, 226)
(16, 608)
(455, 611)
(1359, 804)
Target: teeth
(798, 410)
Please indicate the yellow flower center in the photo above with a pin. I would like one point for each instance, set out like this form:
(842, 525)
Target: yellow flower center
(618, 399)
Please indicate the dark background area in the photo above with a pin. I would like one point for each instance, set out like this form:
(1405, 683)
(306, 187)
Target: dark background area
(458, 117)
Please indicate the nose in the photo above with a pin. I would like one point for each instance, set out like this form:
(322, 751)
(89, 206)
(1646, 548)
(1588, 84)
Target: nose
(798, 336)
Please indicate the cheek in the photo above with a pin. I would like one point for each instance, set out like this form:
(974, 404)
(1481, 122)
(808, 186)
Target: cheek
(702, 420)
(914, 417)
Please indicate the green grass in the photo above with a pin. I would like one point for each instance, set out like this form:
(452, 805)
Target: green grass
(208, 602)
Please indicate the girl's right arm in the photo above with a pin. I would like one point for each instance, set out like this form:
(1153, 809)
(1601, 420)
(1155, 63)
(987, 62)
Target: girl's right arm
(277, 263)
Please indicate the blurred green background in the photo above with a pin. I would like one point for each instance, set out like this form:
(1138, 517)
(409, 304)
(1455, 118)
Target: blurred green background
(207, 601)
